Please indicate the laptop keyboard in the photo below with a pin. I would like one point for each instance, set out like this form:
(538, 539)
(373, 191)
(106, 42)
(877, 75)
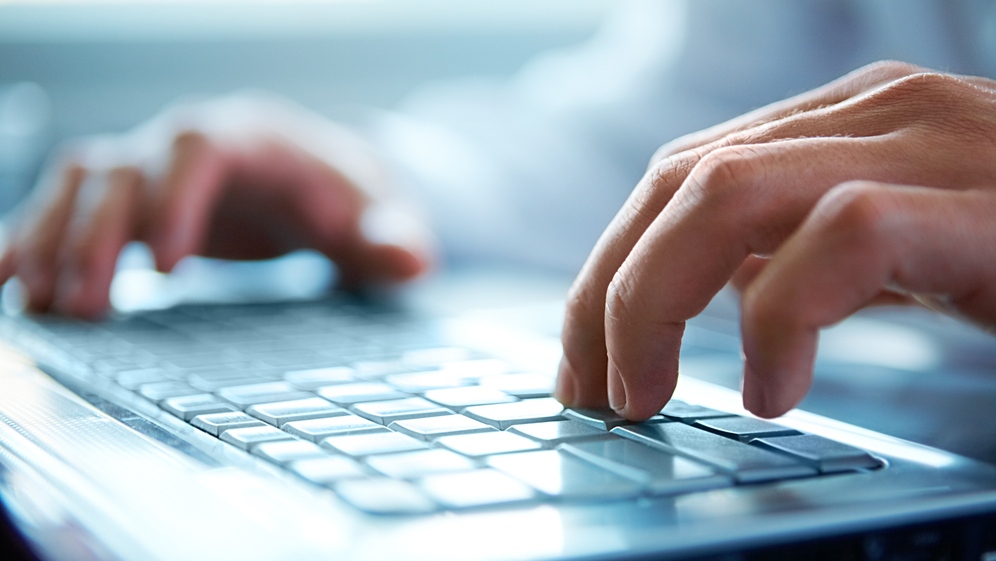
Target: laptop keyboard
(380, 407)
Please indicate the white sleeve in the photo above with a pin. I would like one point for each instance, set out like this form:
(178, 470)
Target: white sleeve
(533, 169)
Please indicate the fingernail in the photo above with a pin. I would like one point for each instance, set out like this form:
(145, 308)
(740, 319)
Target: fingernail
(617, 391)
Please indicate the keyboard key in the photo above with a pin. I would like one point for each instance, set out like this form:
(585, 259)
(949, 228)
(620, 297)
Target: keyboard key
(416, 464)
(387, 412)
(552, 433)
(478, 368)
(189, 406)
(744, 429)
(217, 423)
(317, 429)
(213, 380)
(384, 496)
(662, 473)
(604, 419)
(435, 356)
(371, 444)
(249, 437)
(504, 415)
(111, 365)
(419, 382)
(431, 428)
(287, 451)
(291, 358)
(158, 391)
(561, 476)
(348, 394)
(327, 470)
(381, 368)
(824, 454)
(195, 360)
(459, 398)
(523, 386)
(281, 412)
(681, 411)
(746, 463)
(133, 379)
(487, 444)
(315, 378)
(478, 488)
(266, 392)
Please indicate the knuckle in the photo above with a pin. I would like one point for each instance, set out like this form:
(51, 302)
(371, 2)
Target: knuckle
(666, 174)
(719, 176)
(922, 88)
(69, 176)
(661, 154)
(619, 296)
(126, 175)
(925, 81)
(858, 209)
(928, 103)
(190, 139)
(676, 146)
(889, 69)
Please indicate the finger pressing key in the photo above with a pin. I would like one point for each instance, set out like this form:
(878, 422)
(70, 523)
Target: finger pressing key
(581, 378)
(37, 241)
(759, 194)
(181, 211)
(103, 222)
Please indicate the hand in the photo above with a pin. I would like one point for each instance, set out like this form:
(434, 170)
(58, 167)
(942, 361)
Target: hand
(237, 178)
(809, 204)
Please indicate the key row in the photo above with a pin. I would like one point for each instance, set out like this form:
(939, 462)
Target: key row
(393, 454)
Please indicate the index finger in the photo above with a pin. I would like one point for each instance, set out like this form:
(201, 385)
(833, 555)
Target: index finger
(581, 380)
(738, 201)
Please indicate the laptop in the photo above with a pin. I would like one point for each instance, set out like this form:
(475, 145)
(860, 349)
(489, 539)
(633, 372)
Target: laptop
(419, 425)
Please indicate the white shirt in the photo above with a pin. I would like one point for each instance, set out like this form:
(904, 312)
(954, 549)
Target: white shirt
(533, 169)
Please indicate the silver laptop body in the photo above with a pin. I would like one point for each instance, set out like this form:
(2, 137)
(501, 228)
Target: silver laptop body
(454, 451)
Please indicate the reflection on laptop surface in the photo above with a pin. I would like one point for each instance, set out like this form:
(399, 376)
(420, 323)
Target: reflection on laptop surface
(418, 427)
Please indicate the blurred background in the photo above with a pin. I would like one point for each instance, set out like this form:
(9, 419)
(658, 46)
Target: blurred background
(80, 67)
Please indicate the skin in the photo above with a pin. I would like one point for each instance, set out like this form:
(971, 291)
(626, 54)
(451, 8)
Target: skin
(236, 178)
(880, 186)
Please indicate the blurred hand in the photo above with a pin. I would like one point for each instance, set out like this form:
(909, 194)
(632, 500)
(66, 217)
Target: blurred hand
(880, 185)
(236, 178)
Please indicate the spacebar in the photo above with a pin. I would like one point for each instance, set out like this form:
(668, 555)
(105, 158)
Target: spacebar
(744, 462)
